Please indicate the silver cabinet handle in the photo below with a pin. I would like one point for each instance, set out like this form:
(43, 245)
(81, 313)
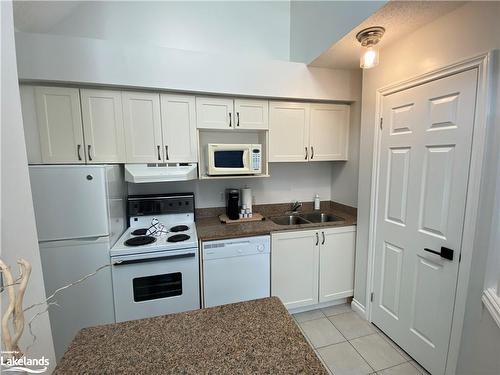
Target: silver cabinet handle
(317, 238)
(323, 242)
(88, 152)
(307, 153)
(158, 148)
(312, 152)
(230, 124)
(166, 152)
(78, 148)
(237, 119)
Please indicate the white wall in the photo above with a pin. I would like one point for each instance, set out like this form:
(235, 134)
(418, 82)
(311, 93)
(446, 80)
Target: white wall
(288, 182)
(240, 28)
(18, 235)
(45, 57)
(470, 30)
(316, 25)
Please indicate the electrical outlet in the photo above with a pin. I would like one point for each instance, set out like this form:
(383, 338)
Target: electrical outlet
(221, 196)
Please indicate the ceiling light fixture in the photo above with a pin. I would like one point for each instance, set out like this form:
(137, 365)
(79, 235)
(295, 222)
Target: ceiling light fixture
(369, 38)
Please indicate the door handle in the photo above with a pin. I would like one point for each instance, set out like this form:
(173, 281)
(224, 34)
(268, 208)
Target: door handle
(158, 148)
(88, 152)
(237, 119)
(147, 260)
(444, 253)
(323, 242)
(78, 148)
(166, 152)
(230, 119)
(317, 238)
(307, 153)
(312, 152)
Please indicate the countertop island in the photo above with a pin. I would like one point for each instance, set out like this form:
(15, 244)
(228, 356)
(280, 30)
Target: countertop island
(258, 337)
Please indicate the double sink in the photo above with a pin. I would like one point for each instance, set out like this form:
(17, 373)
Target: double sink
(306, 218)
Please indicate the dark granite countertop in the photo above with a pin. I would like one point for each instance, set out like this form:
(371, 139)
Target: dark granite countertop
(254, 337)
(210, 228)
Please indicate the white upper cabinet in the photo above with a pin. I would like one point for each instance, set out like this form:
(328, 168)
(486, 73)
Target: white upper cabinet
(60, 125)
(178, 118)
(214, 113)
(329, 132)
(288, 131)
(251, 114)
(336, 260)
(103, 126)
(143, 138)
(308, 132)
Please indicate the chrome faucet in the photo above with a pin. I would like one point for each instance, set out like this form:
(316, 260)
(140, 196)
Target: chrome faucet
(294, 206)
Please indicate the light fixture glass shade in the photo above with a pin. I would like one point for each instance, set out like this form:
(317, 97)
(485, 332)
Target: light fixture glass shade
(369, 59)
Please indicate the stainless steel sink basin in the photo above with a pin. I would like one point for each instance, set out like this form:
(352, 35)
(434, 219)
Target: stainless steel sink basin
(320, 217)
(289, 220)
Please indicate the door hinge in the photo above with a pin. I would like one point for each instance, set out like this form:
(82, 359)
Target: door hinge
(381, 123)
(371, 297)
(459, 257)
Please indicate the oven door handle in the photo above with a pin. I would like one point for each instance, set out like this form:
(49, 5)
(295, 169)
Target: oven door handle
(121, 262)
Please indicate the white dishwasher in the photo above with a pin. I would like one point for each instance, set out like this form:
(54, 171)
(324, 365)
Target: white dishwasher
(236, 270)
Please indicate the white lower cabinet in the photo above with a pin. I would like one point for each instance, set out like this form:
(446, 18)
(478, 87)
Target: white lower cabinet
(313, 266)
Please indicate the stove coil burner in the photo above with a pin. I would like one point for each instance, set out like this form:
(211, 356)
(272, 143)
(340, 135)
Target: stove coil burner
(140, 232)
(139, 241)
(178, 238)
(179, 228)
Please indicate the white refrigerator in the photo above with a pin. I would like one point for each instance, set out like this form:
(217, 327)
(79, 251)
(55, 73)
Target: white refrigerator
(80, 214)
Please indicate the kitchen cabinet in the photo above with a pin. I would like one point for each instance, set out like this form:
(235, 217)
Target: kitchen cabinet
(336, 263)
(329, 132)
(302, 132)
(288, 132)
(225, 114)
(103, 126)
(59, 124)
(142, 120)
(312, 266)
(294, 268)
(178, 121)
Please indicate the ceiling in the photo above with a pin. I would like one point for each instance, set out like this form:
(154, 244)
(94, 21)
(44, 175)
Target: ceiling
(398, 17)
(41, 16)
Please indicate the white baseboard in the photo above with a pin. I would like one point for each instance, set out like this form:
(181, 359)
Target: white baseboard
(317, 306)
(492, 303)
(358, 307)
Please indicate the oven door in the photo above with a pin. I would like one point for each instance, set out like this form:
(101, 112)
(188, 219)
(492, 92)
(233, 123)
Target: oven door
(228, 160)
(160, 283)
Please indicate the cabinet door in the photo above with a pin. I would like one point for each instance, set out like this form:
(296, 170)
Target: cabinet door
(141, 114)
(178, 119)
(60, 125)
(251, 114)
(336, 263)
(329, 132)
(288, 132)
(294, 268)
(214, 113)
(103, 126)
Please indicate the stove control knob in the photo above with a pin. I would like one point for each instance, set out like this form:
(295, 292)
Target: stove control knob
(260, 248)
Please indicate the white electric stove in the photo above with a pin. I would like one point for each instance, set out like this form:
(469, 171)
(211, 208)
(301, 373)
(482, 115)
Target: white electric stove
(155, 262)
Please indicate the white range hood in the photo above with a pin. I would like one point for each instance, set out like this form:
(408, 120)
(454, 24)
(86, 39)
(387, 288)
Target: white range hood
(142, 173)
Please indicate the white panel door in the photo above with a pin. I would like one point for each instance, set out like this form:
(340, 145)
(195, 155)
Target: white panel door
(178, 119)
(103, 126)
(336, 263)
(142, 120)
(214, 113)
(294, 268)
(60, 125)
(289, 132)
(251, 114)
(424, 165)
(329, 132)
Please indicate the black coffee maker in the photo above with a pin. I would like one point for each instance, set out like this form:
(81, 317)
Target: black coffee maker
(233, 204)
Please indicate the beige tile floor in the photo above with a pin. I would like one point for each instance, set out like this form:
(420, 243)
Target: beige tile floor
(349, 345)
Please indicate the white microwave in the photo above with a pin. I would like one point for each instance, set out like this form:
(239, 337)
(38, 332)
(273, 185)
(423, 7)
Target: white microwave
(234, 159)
